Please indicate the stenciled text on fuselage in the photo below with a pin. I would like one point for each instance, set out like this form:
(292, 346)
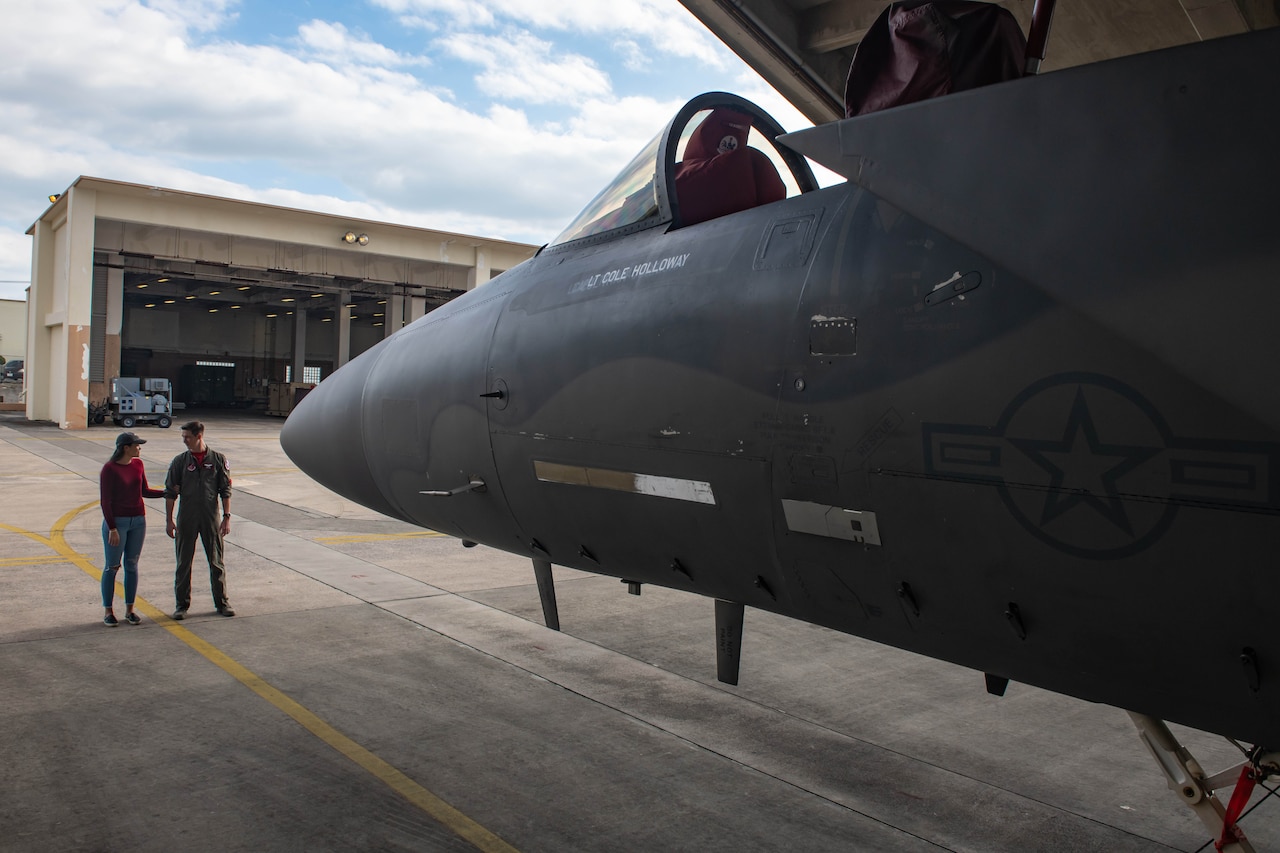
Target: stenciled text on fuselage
(628, 273)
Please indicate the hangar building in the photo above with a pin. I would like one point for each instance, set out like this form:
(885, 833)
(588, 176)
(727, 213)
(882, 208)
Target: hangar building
(224, 298)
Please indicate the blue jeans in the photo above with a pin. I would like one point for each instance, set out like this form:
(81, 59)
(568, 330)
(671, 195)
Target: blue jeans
(132, 530)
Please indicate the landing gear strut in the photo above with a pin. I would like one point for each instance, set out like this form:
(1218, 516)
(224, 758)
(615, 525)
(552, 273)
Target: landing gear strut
(1199, 791)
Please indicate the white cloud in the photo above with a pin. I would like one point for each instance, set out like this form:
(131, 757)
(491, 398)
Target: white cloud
(434, 14)
(332, 42)
(520, 67)
(632, 55)
(629, 122)
(200, 15)
(663, 24)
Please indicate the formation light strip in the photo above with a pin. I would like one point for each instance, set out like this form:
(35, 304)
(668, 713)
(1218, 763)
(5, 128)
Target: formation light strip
(694, 491)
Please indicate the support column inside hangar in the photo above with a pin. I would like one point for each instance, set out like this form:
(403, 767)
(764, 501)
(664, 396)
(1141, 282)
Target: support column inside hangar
(392, 315)
(344, 328)
(100, 387)
(417, 308)
(299, 343)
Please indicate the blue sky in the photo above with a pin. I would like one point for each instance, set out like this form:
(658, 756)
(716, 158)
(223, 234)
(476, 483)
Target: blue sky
(494, 117)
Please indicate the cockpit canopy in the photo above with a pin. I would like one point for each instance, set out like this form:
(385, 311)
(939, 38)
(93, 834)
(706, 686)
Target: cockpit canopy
(645, 193)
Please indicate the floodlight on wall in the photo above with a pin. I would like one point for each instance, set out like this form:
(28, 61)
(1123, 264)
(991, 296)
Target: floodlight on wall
(54, 197)
(353, 237)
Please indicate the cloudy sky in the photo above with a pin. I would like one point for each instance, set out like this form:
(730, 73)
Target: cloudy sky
(500, 118)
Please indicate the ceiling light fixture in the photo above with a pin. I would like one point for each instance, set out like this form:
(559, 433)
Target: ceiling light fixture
(316, 295)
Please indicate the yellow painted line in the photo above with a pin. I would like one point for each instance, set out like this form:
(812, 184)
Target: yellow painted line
(461, 825)
(36, 537)
(31, 561)
(381, 537)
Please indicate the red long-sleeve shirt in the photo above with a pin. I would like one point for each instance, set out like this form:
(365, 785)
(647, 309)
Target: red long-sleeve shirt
(123, 488)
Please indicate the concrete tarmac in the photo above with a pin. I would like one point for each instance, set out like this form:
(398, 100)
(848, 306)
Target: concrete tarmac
(384, 688)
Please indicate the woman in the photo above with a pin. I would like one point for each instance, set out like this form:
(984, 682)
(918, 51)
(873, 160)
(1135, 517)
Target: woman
(124, 523)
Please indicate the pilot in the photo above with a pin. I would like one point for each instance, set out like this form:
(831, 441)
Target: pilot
(720, 173)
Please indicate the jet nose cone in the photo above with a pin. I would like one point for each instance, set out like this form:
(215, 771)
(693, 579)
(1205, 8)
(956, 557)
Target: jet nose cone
(324, 436)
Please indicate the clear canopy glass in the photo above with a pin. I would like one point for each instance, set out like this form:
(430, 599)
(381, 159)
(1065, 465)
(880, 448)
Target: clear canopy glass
(630, 198)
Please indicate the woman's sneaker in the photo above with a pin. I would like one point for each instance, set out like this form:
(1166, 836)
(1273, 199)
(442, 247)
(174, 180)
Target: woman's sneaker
(110, 620)
(133, 618)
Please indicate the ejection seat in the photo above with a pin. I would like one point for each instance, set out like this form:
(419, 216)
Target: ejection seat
(720, 173)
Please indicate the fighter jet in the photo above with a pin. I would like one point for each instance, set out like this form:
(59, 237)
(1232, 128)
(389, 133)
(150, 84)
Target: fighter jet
(1001, 397)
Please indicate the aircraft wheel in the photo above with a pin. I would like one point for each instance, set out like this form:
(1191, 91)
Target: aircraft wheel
(127, 422)
(164, 423)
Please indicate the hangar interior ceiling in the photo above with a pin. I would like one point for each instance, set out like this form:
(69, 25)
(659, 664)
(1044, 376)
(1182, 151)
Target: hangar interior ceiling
(210, 272)
(803, 48)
